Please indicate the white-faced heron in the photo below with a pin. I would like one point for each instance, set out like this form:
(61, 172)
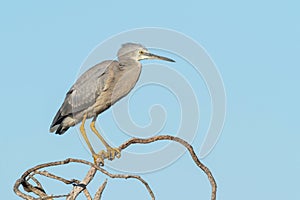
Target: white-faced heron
(97, 89)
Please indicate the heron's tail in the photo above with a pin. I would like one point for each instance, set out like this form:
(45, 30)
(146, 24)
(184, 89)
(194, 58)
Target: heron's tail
(58, 126)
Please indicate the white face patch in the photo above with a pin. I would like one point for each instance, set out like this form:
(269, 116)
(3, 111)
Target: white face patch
(142, 55)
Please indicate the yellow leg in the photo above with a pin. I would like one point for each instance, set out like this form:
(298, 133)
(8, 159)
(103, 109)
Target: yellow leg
(98, 134)
(111, 152)
(83, 133)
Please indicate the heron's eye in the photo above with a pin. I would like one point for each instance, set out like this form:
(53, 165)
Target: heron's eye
(141, 52)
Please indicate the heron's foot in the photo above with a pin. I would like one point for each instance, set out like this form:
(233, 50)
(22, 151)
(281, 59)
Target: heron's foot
(99, 158)
(111, 153)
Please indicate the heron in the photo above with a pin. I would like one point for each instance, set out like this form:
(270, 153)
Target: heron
(98, 89)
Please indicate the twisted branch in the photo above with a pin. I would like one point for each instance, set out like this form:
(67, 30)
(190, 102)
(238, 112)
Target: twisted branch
(100, 191)
(81, 186)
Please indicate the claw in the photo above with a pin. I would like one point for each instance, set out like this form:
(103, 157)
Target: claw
(111, 153)
(99, 157)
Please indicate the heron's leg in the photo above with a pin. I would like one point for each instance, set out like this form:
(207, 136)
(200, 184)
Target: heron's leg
(83, 133)
(111, 152)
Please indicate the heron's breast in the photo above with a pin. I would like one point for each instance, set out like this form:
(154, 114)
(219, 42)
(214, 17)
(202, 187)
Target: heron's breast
(124, 83)
(118, 84)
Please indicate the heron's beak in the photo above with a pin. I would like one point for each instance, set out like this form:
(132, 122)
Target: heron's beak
(153, 56)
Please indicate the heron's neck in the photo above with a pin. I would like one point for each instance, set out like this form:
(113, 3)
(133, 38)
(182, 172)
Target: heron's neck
(130, 63)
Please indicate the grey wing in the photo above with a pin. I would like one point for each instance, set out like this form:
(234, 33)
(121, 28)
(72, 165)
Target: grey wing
(83, 93)
(86, 89)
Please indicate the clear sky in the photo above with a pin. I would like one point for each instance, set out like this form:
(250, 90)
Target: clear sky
(255, 46)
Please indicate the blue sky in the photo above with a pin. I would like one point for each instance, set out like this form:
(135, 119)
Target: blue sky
(254, 44)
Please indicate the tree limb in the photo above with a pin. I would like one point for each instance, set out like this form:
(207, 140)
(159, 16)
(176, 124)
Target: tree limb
(81, 186)
(100, 191)
(187, 146)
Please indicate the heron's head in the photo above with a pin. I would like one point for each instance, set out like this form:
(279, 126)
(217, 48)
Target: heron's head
(138, 52)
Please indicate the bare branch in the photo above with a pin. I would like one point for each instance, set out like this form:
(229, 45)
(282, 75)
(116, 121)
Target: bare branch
(53, 176)
(53, 196)
(81, 186)
(185, 144)
(39, 185)
(87, 179)
(124, 176)
(100, 191)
